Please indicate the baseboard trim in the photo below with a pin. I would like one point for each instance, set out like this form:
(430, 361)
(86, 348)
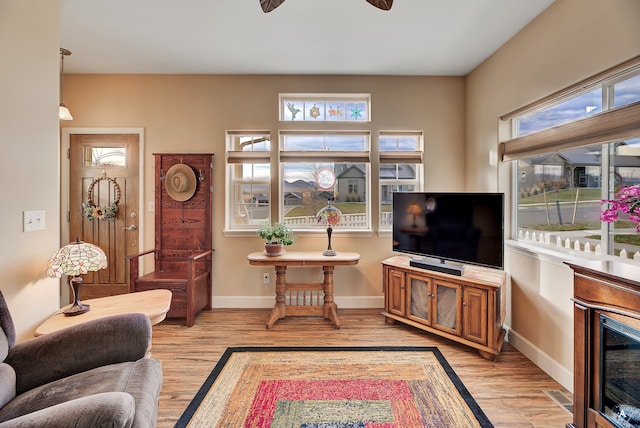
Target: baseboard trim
(559, 373)
(262, 302)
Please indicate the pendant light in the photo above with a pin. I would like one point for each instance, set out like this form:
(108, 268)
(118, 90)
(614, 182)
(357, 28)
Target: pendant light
(63, 111)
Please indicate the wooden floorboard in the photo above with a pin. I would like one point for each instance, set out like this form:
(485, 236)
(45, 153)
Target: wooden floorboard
(510, 389)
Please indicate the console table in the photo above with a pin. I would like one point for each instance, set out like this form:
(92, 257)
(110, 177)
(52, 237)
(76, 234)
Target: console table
(304, 299)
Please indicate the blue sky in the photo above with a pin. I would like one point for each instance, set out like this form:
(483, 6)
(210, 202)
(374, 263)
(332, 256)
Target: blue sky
(584, 105)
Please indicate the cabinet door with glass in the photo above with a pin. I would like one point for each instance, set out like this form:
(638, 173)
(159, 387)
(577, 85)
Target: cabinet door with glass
(447, 307)
(420, 296)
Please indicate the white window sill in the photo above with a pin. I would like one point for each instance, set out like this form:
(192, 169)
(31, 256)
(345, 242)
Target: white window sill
(314, 233)
(557, 254)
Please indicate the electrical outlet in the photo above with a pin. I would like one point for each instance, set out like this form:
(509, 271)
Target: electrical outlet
(265, 278)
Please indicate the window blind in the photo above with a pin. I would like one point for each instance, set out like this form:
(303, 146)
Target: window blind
(611, 125)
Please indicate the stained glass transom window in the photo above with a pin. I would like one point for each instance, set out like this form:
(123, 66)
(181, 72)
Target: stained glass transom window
(325, 107)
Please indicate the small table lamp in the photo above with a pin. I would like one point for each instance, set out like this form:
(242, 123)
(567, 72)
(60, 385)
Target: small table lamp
(75, 259)
(414, 210)
(330, 216)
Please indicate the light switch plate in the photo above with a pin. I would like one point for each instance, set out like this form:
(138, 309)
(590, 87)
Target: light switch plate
(33, 220)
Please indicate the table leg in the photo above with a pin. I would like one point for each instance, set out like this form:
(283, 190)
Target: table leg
(280, 309)
(330, 308)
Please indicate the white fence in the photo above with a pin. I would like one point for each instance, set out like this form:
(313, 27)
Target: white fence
(355, 221)
(571, 244)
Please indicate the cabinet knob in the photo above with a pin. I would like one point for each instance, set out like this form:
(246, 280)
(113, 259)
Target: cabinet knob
(464, 303)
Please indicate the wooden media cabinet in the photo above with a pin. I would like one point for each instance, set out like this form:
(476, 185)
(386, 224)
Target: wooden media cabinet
(469, 309)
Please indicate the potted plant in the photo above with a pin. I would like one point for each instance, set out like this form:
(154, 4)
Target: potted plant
(276, 236)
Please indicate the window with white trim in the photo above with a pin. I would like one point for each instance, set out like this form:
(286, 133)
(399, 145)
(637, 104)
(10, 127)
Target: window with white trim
(325, 107)
(572, 151)
(248, 179)
(315, 167)
(322, 166)
(400, 155)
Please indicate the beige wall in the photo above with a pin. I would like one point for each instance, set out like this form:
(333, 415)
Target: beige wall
(571, 40)
(29, 129)
(190, 113)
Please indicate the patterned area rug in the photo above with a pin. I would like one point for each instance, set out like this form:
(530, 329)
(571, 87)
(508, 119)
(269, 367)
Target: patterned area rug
(363, 387)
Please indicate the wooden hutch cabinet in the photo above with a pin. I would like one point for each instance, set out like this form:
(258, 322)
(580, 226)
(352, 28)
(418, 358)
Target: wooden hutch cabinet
(606, 365)
(183, 238)
(468, 309)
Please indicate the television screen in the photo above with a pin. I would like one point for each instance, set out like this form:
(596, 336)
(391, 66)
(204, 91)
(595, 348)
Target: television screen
(459, 227)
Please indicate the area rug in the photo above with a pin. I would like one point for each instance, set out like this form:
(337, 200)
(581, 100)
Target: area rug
(333, 387)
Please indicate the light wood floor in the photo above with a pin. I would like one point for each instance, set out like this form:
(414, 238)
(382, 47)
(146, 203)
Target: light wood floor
(509, 390)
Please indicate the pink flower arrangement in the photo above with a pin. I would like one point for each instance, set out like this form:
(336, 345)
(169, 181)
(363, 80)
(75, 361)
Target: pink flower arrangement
(627, 200)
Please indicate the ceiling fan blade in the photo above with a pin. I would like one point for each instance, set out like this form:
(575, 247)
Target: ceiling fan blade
(269, 5)
(381, 4)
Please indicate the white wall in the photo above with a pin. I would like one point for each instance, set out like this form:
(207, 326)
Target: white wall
(571, 40)
(29, 135)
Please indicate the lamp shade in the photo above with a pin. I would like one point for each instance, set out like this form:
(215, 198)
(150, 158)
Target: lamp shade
(76, 258)
(414, 209)
(329, 215)
(64, 113)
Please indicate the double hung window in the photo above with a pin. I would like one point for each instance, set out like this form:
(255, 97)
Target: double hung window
(319, 167)
(400, 156)
(248, 179)
(571, 151)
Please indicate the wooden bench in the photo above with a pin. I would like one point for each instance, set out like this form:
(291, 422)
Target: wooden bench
(190, 287)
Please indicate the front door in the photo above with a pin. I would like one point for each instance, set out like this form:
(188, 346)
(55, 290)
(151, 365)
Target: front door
(103, 204)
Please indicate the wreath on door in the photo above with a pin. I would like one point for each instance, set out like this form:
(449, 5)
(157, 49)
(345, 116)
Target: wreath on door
(97, 212)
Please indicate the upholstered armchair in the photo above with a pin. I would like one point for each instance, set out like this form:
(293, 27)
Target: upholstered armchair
(89, 375)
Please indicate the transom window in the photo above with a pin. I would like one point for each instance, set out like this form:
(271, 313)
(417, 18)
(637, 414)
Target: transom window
(325, 107)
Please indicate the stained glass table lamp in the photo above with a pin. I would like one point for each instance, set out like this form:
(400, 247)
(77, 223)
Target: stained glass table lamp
(330, 216)
(75, 259)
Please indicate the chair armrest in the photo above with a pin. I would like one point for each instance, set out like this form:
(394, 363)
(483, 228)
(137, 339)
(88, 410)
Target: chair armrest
(138, 255)
(79, 348)
(134, 266)
(112, 409)
(197, 256)
(191, 265)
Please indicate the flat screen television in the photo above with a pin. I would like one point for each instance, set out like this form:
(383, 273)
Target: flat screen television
(464, 228)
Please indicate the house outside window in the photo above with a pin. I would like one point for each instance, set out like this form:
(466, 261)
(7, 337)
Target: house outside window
(559, 188)
(312, 168)
(248, 169)
(341, 156)
(400, 157)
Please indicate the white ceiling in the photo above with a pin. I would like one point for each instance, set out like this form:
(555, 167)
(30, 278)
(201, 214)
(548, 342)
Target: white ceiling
(416, 37)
